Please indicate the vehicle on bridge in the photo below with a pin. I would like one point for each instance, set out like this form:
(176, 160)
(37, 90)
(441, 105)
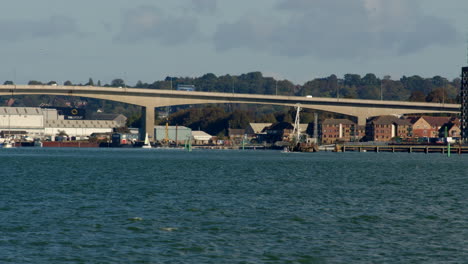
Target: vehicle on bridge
(186, 87)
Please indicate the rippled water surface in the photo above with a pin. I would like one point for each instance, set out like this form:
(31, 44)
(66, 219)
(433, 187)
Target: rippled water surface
(160, 206)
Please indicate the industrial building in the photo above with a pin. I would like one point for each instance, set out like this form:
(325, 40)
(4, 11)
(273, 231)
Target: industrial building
(46, 122)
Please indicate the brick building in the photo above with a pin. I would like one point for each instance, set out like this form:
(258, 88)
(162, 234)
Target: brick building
(428, 126)
(385, 128)
(333, 130)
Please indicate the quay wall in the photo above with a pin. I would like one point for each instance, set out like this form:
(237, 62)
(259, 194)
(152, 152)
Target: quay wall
(403, 148)
(69, 144)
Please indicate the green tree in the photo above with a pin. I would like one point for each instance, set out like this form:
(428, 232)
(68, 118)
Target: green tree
(239, 119)
(352, 79)
(284, 117)
(437, 96)
(140, 84)
(370, 80)
(417, 96)
(117, 83)
(417, 83)
(268, 118)
(90, 82)
(394, 90)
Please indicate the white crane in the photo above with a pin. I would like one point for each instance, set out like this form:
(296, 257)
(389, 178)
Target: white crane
(297, 129)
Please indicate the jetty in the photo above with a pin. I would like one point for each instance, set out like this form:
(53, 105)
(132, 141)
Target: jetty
(456, 149)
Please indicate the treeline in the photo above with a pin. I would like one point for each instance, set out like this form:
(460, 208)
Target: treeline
(413, 88)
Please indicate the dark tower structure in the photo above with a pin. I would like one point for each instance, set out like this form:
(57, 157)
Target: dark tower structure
(464, 105)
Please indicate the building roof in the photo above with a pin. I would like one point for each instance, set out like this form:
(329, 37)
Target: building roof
(257, 128)
(437, 121)
(233, 131)
(303, 127)
(80, 123)
(201, 135)
(107, 116)
(389, 119)
(172, 128)
(21, 111)
(280, 126)
(286, 125)
(413, 119)
(333, 121)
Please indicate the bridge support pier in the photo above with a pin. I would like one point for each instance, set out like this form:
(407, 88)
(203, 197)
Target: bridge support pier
(361, 120)
(147, 123)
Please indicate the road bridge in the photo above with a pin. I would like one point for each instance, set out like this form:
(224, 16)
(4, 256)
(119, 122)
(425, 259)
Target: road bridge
(152, 98)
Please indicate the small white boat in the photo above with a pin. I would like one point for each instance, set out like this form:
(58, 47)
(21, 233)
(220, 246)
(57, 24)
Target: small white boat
(8, 143)
(147, 144)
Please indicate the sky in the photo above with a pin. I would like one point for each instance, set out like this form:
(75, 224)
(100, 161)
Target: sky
(298, 40)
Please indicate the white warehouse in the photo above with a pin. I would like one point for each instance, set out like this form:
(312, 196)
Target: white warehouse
(41, 122)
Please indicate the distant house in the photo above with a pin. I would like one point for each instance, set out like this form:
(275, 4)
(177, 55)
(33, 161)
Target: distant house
(333, 130)
(282, 131)
(427, 126)
(255, 131)
(256, 128)
(278, 132)
(453, 129)
(236, 135)
(385, 128)
(201, 138)
(421, 128)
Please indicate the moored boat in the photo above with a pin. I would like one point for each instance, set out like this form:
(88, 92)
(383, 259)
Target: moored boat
(147, 144)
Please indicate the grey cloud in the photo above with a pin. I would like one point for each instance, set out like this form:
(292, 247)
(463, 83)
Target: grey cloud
(148, 23)
(430, 31)
(53, 27)
(205, 6)
(338, 29)
(246, 33)
(319, 6)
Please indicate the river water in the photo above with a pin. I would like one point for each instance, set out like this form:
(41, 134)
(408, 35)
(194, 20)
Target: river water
(172, 206)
